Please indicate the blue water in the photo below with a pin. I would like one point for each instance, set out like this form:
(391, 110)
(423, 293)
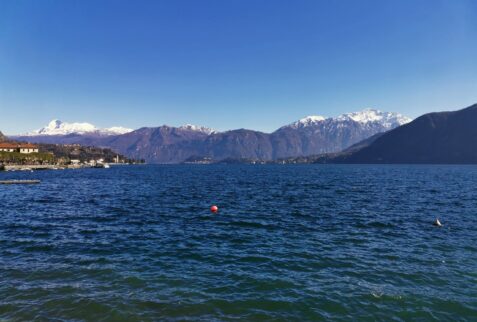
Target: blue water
(312, 242)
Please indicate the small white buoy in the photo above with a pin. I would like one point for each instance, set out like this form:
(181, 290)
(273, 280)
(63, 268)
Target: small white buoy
(437, 223)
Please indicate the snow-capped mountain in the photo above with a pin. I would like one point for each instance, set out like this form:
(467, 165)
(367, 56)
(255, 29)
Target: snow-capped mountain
(57, 127)
(306, 121)
(195, 128)
(317, 134)
(388, 120)
(115, 130)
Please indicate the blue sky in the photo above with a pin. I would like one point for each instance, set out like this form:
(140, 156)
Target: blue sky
(231, 64)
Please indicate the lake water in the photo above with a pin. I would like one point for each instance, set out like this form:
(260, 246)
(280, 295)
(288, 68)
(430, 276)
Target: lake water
(311, 242)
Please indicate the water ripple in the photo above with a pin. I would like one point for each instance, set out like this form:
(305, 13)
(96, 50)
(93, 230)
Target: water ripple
(317, 242)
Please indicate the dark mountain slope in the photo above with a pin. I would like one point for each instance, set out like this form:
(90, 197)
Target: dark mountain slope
(446, 137)
(362, 144)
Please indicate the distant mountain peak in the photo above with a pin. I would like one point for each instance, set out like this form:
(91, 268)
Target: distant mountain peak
(115, 130)
(57, 127)
(307, 121)
(196, 128)
(369, 115)
(313, 118)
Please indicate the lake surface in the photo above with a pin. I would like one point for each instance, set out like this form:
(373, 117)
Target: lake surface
(311, 242)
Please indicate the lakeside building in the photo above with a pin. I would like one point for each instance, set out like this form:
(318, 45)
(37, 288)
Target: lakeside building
(21, 147)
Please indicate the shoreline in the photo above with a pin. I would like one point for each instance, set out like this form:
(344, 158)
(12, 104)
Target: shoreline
(43, 167)
(38, 167)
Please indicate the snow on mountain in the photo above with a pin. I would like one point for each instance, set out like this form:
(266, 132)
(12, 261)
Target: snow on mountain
(317, 134)
(387, 120)
(115, 130)
(196, 128)
(57, 127)
(307, 121)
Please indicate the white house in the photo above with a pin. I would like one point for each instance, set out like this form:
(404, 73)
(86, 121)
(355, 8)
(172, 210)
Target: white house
(19, 147)
(28, 148)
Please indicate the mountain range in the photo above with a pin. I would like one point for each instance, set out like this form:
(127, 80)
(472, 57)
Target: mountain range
(166, 144)
(369, 136)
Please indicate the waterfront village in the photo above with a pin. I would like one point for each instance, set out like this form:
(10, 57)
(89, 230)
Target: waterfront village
(26, 156)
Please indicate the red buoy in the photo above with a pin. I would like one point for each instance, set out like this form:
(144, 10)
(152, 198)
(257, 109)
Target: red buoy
(214, 209)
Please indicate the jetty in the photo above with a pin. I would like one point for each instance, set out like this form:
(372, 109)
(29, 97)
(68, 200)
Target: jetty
(19, 181)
